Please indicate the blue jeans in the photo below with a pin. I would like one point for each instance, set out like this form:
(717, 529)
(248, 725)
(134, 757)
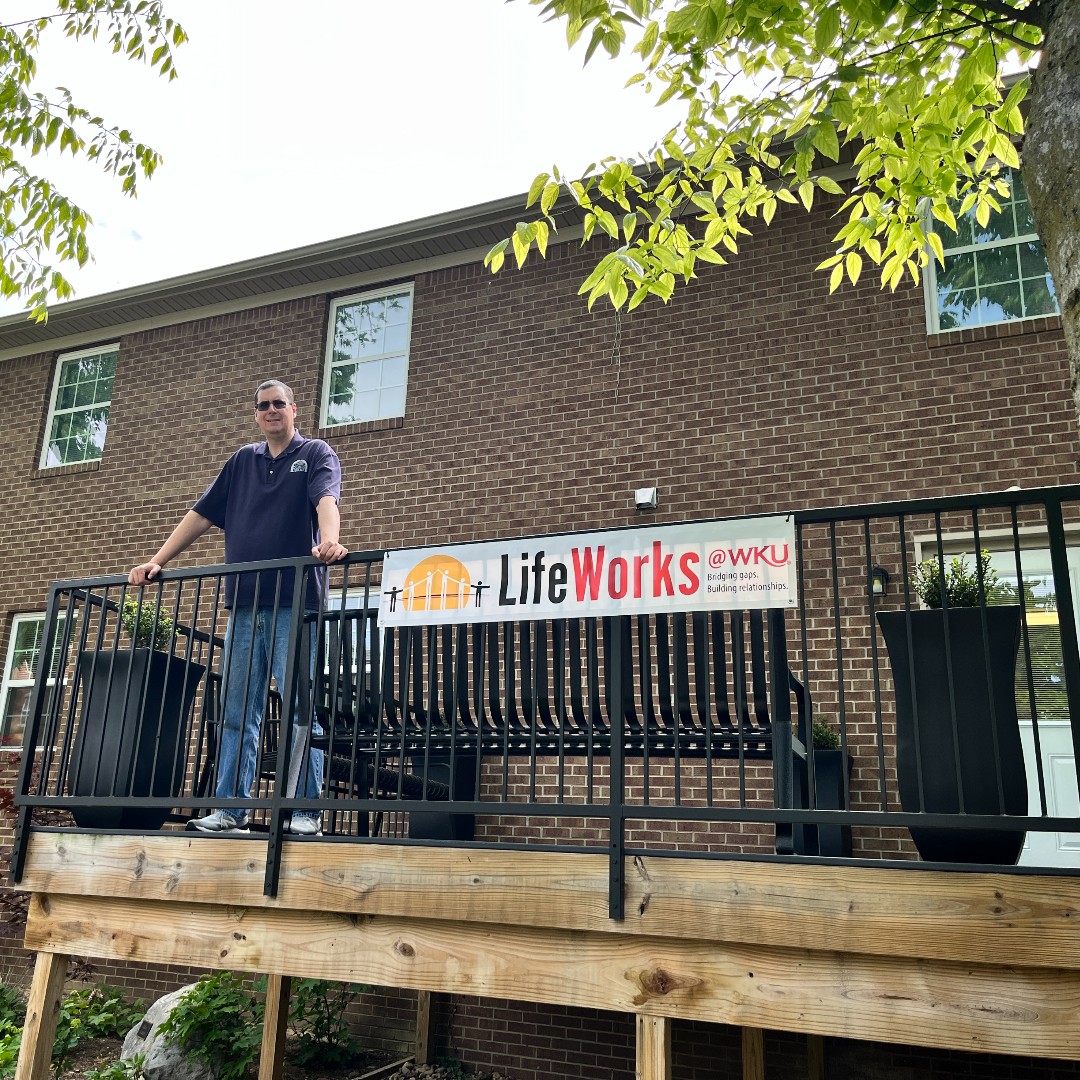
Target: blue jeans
(256, 633)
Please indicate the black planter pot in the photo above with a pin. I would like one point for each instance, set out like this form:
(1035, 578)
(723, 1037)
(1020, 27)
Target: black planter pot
(832, 841)
(829, 768)
(987, 733)
(130, 740)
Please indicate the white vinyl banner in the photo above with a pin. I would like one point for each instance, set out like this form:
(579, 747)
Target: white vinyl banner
(701, 566)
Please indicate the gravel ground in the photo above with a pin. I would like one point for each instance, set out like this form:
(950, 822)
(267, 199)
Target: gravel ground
(438, 1072)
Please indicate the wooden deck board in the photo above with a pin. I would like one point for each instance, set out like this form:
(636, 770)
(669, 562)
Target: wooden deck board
(983, 1007)
(1030, 921)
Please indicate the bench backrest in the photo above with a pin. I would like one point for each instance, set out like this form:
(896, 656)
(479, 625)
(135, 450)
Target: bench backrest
(701, 684)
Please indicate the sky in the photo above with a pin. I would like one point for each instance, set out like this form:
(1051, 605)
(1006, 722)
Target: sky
(294, 123)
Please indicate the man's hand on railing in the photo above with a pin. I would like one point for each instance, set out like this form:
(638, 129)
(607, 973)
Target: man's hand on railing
(144, 572)
(329, 551)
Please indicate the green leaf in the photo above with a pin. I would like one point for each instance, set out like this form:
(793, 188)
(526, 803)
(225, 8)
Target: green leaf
(827, 28)
(853, 265)
(537, 187)
(825, 140)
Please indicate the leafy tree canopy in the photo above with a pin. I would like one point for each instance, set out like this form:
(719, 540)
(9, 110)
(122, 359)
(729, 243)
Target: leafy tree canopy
(782, 98)
(38, 223)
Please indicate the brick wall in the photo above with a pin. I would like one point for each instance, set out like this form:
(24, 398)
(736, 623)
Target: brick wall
(753, 391)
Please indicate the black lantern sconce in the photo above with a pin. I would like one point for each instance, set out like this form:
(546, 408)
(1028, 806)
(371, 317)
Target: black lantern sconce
(879, 581)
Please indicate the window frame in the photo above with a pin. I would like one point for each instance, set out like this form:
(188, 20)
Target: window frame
(329, 364)
(930, 274)
(8, 684)
(61, 359)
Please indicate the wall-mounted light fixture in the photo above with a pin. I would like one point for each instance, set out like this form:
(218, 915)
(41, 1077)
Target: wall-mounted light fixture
(645, 498)
(879, 581)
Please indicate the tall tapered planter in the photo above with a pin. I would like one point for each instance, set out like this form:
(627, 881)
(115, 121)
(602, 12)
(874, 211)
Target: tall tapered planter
(131, 736)
(978, 766)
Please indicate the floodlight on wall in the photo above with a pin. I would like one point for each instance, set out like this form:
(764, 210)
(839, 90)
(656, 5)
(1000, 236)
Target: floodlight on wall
(879, 581)
(645, 498)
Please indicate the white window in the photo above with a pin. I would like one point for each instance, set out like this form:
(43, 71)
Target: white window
(367, 361)
(79, 408)
(24, 646)
(993, 273)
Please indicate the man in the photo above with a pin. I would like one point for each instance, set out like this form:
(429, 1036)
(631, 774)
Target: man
(275, 499)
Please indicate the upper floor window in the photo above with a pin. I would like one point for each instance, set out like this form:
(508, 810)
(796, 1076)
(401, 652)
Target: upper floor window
(367, 361)
(79, 408)
(993, 273)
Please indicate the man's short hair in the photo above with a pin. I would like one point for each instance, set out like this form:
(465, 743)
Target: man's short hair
(287, 390)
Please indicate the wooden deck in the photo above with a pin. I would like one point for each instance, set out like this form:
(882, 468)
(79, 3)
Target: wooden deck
(970, 961)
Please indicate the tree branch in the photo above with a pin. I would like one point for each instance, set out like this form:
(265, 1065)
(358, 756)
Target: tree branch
(1029, 16)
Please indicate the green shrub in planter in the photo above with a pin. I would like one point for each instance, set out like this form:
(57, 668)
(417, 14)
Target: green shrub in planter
(961, 581)
(825, 737)
(138, 624)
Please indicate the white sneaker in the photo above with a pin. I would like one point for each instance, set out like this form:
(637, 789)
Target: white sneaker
(221, 821)
(304, 825)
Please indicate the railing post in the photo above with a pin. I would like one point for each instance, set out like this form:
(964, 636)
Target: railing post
(617, 784)
(1070, 652)
(292, 736)
(783, 748)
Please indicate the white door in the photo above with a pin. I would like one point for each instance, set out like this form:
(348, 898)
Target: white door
(1059, 778)
(1055, 736)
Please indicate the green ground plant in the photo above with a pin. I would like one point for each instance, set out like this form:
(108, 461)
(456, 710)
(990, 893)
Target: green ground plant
(317, 1016)
(12, 1005)
(218, 1022)
(125, 1069)
(92, 1013)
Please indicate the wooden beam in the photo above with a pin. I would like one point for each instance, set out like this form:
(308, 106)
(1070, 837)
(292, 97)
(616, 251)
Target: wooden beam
(653, 1048)
(988, 1007)
(423, 1041)
(42, 1013)
(1018, 919)
(275, 1027)
(753, 1054)
(815, 1057)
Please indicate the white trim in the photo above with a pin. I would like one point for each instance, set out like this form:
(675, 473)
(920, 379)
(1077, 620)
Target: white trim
(957, 542)
(61, 359)
(404, 289)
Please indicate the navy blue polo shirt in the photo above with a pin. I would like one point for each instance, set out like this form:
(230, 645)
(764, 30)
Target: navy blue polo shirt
(267, 508)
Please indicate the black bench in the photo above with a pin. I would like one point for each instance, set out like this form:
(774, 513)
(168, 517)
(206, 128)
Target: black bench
(436, 701)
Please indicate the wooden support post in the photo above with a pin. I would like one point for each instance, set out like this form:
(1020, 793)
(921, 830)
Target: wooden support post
(423, 1041)
(653, 1048)
(275, 1023)
(815, 1057)
(42, 1012)
(753, 1054)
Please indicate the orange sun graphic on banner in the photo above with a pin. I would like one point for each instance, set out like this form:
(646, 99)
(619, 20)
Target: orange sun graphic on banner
(439, 583)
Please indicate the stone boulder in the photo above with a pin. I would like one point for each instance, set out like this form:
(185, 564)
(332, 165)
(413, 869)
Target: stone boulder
(160, 1061)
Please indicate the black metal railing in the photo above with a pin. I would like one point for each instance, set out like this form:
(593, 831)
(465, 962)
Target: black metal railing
(858, 726)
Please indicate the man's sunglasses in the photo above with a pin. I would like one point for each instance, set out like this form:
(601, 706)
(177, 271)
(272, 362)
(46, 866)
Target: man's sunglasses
(278, 404)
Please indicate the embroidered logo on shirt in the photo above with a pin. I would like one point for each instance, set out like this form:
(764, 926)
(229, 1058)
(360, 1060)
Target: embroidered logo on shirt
(298, 466)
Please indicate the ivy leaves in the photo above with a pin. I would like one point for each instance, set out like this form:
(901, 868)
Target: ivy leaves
(39, 225)
(784, 98)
